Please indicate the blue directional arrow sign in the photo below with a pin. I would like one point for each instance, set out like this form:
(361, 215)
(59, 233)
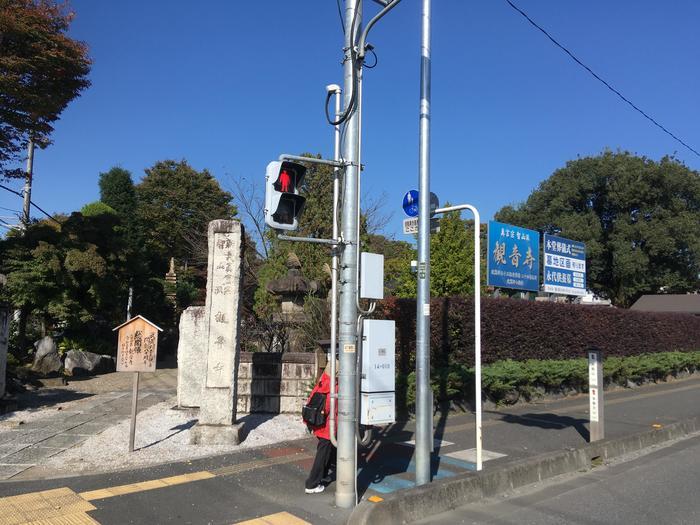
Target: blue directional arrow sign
(410, 203)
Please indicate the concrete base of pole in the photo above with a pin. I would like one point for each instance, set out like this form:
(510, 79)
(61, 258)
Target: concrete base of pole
(216, 434)
(345, 500)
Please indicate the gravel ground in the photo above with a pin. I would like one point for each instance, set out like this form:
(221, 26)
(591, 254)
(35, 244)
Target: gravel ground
(163, 436)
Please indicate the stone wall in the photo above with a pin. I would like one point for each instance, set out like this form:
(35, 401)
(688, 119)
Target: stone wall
(274, 382)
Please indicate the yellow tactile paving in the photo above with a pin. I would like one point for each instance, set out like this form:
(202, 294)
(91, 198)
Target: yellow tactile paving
(186, 478)
(70, 519)
(48, 507)
(281, 518)
(131, 488)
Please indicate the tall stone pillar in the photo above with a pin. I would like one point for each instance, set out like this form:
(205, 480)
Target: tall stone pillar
(4, 336)
(217, 413)
(191, 356)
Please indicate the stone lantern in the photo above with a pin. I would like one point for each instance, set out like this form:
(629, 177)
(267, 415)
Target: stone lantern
(291, 291)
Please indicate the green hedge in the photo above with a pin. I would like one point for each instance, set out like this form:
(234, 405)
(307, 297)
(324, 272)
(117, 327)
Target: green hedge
(511, 379)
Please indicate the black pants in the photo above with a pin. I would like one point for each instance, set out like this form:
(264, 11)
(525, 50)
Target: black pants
(325, 455)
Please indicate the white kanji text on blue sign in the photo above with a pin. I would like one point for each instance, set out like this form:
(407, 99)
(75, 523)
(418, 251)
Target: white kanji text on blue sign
(513, 257)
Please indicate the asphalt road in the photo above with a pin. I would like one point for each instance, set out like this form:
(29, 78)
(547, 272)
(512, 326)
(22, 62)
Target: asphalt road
(658, 487)
(255, 483)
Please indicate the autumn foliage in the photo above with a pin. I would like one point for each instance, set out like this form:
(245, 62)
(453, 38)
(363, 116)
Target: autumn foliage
(41, 71)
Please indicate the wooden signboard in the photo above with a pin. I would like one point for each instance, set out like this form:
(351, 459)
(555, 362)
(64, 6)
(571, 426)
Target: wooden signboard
(136, 352)
(138, 345)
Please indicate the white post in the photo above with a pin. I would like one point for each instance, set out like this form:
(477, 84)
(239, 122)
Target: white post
(333, 88)
(477, 323)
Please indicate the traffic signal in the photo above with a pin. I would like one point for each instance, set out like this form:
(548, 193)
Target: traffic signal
(283, 204)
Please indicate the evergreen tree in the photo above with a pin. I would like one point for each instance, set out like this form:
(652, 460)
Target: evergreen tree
(640, 220)
(175, 205)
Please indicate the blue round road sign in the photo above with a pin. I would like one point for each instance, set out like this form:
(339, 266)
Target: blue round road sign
(410, 203)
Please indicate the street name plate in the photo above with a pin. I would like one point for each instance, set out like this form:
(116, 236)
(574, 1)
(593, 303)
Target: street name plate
(410, 225)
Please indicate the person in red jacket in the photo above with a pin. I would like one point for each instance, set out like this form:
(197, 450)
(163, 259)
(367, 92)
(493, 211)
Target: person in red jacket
(325, 451)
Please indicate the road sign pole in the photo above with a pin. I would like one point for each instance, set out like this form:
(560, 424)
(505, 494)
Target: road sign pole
(424, 432)
(345, 494)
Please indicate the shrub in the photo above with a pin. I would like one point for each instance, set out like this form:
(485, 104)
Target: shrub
(456, 382)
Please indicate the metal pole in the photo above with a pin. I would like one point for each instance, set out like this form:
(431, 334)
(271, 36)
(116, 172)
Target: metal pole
(345, 496)
(27, 194)
(477, 323)
(129, 302)
(334, 265)
(310, 160)
(134, 403)
(477, 334)
(424, 434)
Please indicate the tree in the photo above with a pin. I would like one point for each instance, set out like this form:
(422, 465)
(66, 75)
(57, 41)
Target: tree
(70, 275)
(452, 257)
(41, 72)
(176, 203)
(117, 191)
(640, 220)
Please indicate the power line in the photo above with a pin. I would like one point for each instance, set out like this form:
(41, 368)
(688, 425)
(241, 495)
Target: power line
(7, 225)
(32, 203)
(597, 77)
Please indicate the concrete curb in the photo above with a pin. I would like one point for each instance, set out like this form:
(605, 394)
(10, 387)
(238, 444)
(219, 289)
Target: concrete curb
(418, 503)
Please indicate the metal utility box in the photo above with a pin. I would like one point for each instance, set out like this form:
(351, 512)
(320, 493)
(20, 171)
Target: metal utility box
(377, 409)
(378, 372)
(371, 276)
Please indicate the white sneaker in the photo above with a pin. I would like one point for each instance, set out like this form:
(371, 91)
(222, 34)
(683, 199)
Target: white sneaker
(315, 490)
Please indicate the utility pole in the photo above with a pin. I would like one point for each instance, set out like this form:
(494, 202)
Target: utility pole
(27, 193)
(424, 430)
(345, 495)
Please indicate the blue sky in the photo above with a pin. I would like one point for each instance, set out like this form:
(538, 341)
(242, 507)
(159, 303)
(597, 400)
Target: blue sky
(229, 85)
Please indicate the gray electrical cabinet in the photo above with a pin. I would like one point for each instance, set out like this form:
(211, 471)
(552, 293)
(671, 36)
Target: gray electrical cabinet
(371, 275)
(377, 389)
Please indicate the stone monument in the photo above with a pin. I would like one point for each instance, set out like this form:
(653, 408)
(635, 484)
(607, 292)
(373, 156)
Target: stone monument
(291, 291)
(191, 356)
(217, 414)
(4, 336)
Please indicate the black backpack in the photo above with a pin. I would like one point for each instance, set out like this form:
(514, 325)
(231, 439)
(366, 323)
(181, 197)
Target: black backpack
(313, 412)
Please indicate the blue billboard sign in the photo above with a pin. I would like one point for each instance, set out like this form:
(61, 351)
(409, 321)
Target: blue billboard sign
(564, 266)
(513, 257)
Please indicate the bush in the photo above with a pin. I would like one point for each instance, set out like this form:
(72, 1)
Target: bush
(532, 377)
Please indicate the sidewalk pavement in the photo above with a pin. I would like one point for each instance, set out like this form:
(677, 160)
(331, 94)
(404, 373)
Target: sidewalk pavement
(269, 481)
(43, 428)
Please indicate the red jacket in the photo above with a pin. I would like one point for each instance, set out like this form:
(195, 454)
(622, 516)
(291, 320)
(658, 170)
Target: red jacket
(324, 387)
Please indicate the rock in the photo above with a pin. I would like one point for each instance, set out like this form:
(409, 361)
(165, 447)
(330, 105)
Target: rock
(631, 384)
(511, 397)
(46, 358)
(81, 363)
